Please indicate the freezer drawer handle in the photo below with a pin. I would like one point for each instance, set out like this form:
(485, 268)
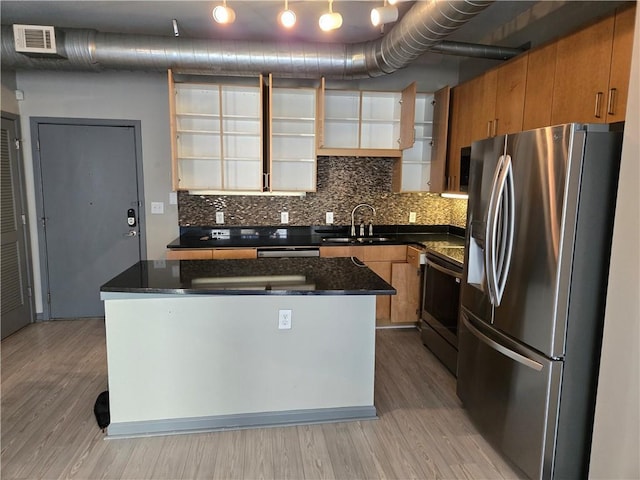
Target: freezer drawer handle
(527, 362)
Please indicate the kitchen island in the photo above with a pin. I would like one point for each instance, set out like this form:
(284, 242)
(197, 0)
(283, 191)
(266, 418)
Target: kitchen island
(204, 345)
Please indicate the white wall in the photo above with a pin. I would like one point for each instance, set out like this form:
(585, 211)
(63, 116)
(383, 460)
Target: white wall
(107, 95)
(616, 436)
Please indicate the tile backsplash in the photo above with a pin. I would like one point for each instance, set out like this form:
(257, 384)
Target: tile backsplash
(343, 182)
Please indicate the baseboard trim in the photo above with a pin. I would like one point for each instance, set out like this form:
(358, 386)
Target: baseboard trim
(239, 421)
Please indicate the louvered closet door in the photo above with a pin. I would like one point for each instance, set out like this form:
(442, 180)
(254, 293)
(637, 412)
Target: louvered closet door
(16, 311)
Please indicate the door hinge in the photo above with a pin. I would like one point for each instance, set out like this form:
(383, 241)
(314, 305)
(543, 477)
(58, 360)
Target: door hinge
(49, 298)
(24, 219)
(17, 142)
(44, 222)
(29, 292)
(38, 144)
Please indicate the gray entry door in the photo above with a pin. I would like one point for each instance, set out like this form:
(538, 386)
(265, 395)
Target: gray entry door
(16, 308)
(89, 191)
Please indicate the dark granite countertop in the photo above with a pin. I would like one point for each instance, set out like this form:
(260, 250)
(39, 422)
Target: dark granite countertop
(262, 276)
(442, 240)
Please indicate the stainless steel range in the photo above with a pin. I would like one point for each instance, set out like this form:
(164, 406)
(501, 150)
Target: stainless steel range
(440, 302)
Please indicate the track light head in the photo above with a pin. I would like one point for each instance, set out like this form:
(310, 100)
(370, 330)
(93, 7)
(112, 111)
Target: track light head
(223, 14)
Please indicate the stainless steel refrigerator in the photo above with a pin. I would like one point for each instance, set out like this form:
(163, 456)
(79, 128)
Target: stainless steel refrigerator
(538, 241)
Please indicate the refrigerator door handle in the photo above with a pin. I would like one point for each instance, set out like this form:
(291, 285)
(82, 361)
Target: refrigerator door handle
(490, 235)
(507, 226)
(527, 362)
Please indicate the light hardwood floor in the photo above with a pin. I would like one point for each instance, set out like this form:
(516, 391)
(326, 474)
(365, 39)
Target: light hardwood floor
(52, 372)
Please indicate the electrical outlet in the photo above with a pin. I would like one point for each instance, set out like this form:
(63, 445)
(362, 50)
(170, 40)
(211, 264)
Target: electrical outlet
(284, 319)
(284, 217)
(219, 217)
(412, 217)
(329, 218)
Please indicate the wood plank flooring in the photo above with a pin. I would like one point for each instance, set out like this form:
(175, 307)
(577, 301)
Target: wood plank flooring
(52, 373)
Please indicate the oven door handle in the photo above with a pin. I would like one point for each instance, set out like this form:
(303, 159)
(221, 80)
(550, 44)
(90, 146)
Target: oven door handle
(444, 270)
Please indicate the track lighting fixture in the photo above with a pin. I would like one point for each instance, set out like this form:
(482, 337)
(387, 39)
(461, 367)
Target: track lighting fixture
(330, 20)
(385, 14)
(223, 14)
(286, 17)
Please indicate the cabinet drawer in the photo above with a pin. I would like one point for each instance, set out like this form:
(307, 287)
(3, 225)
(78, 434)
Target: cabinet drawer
(342, 251)
(413, 256)
(387, 253)
(234, 253)
(192, 254)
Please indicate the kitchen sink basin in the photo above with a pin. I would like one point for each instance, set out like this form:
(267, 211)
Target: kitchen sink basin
(357, 239)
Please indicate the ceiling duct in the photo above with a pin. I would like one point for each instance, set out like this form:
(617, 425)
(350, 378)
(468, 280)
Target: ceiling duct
(422, 28)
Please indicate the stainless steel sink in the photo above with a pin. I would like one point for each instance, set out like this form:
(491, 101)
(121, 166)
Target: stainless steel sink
(357, 239)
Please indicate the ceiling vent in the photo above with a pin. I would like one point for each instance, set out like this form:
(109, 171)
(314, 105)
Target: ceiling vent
(34, 39)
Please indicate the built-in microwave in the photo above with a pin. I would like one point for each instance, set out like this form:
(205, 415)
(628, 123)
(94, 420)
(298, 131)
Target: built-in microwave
(440, 306)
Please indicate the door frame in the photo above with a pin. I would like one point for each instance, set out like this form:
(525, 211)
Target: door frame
(35, 123)
(21, 190)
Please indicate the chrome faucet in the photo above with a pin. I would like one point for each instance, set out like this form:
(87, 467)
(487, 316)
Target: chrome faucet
(353, 224)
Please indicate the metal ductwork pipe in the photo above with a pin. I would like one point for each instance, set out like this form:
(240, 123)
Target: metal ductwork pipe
(476, 50)
(422, 28)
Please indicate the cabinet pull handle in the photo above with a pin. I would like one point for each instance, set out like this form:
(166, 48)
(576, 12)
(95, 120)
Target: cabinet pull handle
(598, 102)
(611, 102)
(495, 127)
(489, 128)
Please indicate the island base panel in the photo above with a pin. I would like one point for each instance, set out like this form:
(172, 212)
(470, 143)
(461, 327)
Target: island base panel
(190, 362)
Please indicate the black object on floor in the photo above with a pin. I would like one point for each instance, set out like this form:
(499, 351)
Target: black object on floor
(101, 410)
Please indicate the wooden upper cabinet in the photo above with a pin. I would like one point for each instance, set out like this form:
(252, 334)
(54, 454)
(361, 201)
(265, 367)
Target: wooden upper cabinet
(582, 74)
(620, 64)
(460, 130)
(407, 116)
(539, 90)
(497, 99)
(511, 84)
(440, 133)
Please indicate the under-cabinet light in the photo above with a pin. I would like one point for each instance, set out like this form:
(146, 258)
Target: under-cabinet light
(463, 196)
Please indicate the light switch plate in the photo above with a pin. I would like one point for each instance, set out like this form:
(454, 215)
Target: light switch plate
(157, 208)
(219, 217)
(284, 217)
(412, 217)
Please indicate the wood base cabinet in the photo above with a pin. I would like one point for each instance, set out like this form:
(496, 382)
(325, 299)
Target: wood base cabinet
(390, 263)
(211, 253)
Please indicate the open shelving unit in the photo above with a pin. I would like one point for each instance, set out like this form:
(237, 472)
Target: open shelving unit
(292, 158)
(216, 136)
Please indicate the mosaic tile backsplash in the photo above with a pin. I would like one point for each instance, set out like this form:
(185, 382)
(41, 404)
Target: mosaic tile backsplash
(343, 183)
